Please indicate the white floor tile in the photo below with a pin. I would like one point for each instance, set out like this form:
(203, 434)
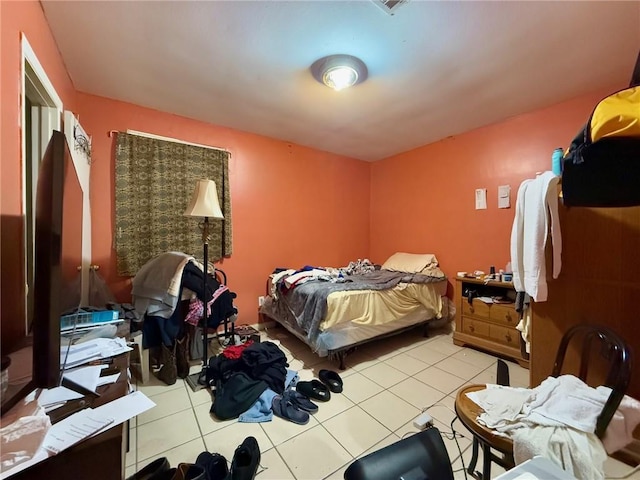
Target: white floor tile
(475, 357)
(439, 379)
(130, 471)
(385, 442)
(227, 439)
(208, 422)
(273, 467)
(338, 404)
(338, 474)
(169, 432)
(459, 368)
(357, 388)
(359, 360)
(445, 346)
(406, 363)
(313, 454)
(384, 375)
(389, 410)
(185, 453)
(356, 430)
(280, 430)
(417, 393)
(426, 354)
(201, 396)
(167, 403)
(154, 386)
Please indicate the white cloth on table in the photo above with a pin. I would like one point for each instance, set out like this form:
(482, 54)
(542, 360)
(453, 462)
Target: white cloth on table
(565, 404)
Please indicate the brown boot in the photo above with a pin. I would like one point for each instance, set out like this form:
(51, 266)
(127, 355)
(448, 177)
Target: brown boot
(182, 357)
(169, 372)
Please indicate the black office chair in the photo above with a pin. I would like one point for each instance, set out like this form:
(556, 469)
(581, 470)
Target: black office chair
(422, 456)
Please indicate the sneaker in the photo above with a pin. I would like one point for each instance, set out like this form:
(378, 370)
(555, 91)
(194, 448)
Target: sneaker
(246, 460)
(214, 464)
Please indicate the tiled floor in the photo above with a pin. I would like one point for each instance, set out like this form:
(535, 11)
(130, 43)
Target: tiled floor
(386, 385)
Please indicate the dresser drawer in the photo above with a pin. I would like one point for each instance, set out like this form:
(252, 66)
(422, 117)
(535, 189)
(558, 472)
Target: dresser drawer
(478, 308)
(475, 327)
(505, 335)
(504, 313)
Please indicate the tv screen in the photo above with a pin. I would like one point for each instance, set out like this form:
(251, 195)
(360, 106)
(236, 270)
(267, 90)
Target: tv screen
(58, 254)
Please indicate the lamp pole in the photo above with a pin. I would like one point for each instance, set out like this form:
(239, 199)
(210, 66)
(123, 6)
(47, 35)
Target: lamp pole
(205, 350)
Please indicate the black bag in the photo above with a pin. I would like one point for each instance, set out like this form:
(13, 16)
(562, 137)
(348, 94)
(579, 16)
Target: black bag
(601, 168)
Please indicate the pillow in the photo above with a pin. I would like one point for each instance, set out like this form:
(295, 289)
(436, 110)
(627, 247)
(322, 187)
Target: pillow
(410, 262)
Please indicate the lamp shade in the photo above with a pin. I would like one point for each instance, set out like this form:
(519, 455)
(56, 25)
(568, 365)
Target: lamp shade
(204, 202)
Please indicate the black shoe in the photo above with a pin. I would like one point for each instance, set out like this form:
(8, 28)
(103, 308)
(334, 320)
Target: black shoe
(185, 471)
(331, 379)
(245, 461)
(314, 389)
(214, 464)
(156, 467)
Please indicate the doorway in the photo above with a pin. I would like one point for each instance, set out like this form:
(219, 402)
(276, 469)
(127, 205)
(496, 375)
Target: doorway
(41, 114)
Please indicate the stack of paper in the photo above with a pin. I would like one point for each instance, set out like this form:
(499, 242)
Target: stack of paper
(93, 350)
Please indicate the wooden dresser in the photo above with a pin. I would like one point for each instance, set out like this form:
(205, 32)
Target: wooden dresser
(489, 326)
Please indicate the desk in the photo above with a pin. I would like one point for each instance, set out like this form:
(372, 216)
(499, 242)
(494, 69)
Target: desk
(99, 458)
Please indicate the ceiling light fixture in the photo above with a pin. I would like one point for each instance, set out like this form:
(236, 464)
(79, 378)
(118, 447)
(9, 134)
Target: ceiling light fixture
(339, 71)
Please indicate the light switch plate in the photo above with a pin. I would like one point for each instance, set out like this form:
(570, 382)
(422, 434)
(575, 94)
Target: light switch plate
(504, 196)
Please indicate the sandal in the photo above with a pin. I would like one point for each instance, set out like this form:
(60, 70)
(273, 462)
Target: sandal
(285, 409)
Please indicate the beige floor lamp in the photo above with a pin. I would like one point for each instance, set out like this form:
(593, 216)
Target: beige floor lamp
(204, 204)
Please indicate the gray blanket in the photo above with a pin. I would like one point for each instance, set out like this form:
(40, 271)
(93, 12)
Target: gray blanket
(308, 302)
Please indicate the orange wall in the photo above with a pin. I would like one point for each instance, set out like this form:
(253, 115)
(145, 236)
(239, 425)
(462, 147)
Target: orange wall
(17, 17)
(291, 205)
(423, 200)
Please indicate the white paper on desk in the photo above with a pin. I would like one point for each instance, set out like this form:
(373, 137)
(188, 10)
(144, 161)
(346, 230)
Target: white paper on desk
(87, 377)
(108, 379)
(57, 395)
(125, 408)
(93, 350)
(485, 299)
(73, 429)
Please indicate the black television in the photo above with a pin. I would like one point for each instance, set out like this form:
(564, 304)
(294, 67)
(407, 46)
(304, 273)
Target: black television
(57, 256)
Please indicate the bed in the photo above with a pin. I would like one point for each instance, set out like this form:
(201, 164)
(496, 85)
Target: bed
(334, 310)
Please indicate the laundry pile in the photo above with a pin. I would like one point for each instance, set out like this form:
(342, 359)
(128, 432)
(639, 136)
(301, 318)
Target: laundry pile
(557, 419)
(251, 382)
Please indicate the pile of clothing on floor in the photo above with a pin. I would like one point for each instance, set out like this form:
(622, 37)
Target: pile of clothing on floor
(557, 419)
(251, 382)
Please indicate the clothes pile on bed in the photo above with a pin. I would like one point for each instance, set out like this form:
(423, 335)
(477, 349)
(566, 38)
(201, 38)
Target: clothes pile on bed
(332, 308)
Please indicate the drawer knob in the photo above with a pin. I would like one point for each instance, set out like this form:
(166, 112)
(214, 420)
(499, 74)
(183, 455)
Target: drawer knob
(471, 329)
(508, 337)
(471, 309)
(508, 317)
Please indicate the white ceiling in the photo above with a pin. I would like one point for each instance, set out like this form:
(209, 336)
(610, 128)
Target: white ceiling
(435, 68)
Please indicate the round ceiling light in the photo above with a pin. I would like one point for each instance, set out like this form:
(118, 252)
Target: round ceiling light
(339, 71)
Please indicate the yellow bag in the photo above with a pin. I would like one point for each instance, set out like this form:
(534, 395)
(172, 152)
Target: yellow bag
(601, 167)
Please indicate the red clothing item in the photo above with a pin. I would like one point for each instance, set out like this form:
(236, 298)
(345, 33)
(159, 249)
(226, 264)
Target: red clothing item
(235, 351)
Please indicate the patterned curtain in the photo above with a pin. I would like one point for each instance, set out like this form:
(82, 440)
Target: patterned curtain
(154, 183)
